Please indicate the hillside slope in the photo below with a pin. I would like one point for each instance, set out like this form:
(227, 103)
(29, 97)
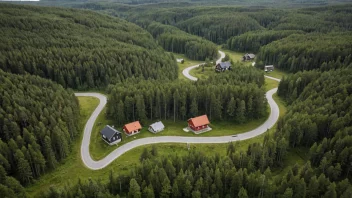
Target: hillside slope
(78, 49)
(38, 121)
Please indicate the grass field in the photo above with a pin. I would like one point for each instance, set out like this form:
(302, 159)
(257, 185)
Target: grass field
(236, 57)
(99, 148)
(187, 63)
(277, 73)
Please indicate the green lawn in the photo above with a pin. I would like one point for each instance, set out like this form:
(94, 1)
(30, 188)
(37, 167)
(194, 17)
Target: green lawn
(99, 149)
(236, 57)
(198, 72)
(277, 73)
(270, 84)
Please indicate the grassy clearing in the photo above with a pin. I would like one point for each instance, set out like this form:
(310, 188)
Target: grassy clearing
(270, 84)
(277, 73)
(188, 62)
(198, 72)
(236, 57)
(100, 149)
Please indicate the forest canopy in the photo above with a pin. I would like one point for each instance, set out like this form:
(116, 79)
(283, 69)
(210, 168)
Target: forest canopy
(78, 49)
(38, 123)
(237, 96)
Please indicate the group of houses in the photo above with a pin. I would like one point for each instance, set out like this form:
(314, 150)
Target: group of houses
(112, 136)
(223, 66)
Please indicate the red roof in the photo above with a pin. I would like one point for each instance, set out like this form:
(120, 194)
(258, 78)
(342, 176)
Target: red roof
(200, 121)
(133, 126)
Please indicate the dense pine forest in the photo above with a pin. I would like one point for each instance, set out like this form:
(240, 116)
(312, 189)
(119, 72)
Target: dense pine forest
(38, 122)
(236, 96)
(78, 49)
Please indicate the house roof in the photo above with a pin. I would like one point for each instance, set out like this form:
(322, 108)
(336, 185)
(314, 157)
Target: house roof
(157, 126)
(225, 65)
(108, 131)
(133, 126)
(200, 121)
(269, 65)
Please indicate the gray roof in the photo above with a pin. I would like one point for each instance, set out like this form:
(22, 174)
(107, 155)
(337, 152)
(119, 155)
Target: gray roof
(269, 65)
(225, 65)
(157, 126)
(108, 131)
(251, 55)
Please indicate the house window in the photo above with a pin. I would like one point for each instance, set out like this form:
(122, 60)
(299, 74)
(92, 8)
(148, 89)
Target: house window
(113, 138)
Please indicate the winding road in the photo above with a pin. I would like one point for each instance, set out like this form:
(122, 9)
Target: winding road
(95, 165)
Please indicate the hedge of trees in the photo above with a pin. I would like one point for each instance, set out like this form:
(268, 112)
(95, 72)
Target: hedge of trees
(174, 40)
(38, 122)
(307, 52)
(252, 41)
(237, 96)
(78, 49)
(320, 118)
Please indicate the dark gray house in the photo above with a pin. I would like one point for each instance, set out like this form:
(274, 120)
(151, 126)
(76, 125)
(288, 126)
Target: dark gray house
(111, 135)
(223, 66)
(247, 57)
(156, 127)
(269, 68)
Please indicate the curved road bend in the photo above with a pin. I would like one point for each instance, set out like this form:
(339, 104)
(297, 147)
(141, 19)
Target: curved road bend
(95, 165)
(185, 72)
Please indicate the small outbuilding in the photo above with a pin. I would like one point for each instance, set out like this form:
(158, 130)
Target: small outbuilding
(269, 68)
(180, 60)
(223, 66)
(156, 127)
(247, 57)
(110, 135)
(132, 128)
(199, 124)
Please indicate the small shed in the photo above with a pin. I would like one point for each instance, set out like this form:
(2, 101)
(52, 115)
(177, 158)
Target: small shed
(156, 127)
(199, 123)
(248, 57)
(111, 135)
(223, 66)
(132, 128)
(269, 68)
(180, 60)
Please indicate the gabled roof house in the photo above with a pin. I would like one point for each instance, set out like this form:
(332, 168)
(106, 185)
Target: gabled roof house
(110, 135)
(132, 128)
(199, 124)
(156, 127)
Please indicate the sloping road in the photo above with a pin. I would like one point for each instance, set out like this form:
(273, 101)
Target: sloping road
(95, 165)
(185, 72)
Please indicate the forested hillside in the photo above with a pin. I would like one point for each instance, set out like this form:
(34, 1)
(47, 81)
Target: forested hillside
(309, 51)
(252, 41)
(174, 40)
(38, 122)
(242, 28)
(78, 49)
(236, 96)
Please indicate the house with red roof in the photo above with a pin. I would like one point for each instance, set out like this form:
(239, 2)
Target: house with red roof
(132, 128)
(199, 124)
